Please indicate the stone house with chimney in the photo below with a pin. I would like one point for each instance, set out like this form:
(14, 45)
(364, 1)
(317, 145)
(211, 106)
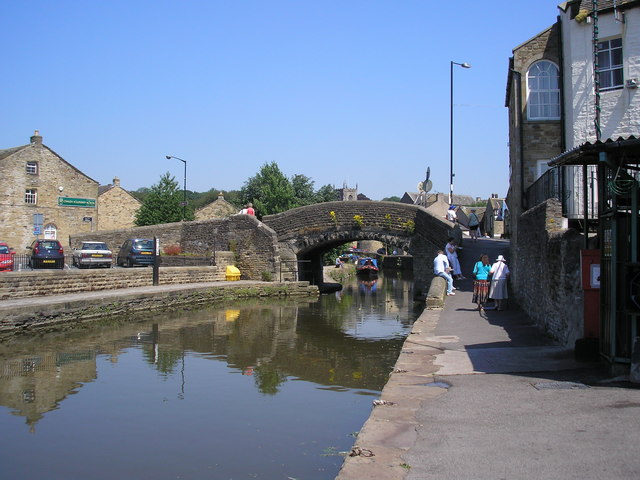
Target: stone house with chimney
(116, 207)
(37, 183)
(219, 208)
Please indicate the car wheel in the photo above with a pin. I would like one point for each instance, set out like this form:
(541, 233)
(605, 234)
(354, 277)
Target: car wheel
(129, 263)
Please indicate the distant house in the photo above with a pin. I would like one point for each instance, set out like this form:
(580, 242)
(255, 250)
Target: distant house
(116, 207)
(37, 183)
(219, 208)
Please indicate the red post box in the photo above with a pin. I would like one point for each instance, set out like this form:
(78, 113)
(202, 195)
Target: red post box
(590, 267)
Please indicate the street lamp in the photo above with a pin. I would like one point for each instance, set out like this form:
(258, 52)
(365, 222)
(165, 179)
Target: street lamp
(451, 174)
(184, 188)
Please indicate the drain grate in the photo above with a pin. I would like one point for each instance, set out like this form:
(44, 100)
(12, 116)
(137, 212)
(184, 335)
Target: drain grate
(559, 386)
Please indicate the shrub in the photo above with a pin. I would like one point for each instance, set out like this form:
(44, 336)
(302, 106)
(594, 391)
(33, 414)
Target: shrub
(172, 250)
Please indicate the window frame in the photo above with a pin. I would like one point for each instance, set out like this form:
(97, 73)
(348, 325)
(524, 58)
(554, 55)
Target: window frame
(611, 69)
(543, 91)
(31, 196)
(50, 231)
(34, 166)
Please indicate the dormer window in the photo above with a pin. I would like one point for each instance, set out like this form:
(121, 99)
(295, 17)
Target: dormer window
(610, 64)
(32, 168)
(543, 86)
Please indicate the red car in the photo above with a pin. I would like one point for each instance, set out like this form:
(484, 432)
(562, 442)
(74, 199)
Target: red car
(6, 257)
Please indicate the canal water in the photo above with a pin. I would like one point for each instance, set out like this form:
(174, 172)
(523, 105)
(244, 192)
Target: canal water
(265, 389)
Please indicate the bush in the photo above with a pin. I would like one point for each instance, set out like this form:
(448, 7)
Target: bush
(172, 250)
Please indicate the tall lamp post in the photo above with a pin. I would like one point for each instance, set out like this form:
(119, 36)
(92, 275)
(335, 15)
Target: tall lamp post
(451, 174)
(184, 188)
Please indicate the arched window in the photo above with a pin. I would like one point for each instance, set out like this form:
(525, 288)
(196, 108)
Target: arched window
(543, 86)
(50, 231)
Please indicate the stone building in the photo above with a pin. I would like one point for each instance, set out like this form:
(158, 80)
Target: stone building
(219, 208)
(574, 149)
(116, 207)
(36, 180)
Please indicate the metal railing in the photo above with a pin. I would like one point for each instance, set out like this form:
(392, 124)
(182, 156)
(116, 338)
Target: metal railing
(544, 188)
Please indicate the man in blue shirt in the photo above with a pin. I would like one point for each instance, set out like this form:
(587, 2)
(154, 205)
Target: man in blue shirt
(441, 268)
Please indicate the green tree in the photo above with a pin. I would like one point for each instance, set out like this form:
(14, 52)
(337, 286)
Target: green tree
(303, 190)
(391, 199)
(269, 190)
(327, 193)
(162, 204)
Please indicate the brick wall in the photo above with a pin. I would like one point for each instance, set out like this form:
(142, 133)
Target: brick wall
(547, 286)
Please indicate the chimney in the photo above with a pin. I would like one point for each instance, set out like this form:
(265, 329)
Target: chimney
(116, 182)
(36, 139)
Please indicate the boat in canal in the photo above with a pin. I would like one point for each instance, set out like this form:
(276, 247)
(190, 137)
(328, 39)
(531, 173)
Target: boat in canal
(367, 266)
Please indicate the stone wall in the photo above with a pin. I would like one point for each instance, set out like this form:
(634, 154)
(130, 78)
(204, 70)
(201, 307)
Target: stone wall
(547, 262)
(59, 314)
(56, 282)
(219, 208)
(253, 244)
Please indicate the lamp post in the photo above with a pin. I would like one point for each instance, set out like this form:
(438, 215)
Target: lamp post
(451, 174)
(184, 188)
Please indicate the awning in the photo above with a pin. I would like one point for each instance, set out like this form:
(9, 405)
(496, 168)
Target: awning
(588, 153)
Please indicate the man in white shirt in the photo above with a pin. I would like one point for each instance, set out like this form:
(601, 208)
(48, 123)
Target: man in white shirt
(441, 268)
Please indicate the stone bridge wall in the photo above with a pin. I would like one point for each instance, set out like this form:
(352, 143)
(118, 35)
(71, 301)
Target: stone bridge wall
(303, 230)
(274, 245)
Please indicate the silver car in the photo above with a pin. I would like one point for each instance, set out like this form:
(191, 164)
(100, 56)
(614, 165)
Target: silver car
(92, 254)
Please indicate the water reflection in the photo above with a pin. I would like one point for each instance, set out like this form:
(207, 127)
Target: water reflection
(220, 365)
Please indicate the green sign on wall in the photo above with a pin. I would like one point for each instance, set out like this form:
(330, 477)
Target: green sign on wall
(76, 202)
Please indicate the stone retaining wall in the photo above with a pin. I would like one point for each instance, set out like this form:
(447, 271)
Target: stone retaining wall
(62, 314)
(58, 282)
(546, 273)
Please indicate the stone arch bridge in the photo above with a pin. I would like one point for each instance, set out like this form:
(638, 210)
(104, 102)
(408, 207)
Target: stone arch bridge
(304, 233)
(294, 241)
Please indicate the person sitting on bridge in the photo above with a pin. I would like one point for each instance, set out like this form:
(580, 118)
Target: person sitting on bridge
(441, 268)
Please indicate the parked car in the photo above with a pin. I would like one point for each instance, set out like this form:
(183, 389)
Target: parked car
(6, 258)
(46, 253)
(92, 254)
(136, 251)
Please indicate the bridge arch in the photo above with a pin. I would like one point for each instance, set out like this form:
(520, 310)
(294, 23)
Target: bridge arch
(304, 233)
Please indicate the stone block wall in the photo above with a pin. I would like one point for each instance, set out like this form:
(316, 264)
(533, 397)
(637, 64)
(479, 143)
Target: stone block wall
(55, 282)
(253, 244)
(546, 272)
(116, 209)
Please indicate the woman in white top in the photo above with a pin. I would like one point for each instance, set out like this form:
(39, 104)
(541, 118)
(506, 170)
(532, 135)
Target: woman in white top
(500, 274)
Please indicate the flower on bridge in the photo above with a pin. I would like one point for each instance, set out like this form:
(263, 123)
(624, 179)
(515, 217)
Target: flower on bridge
(359, 221)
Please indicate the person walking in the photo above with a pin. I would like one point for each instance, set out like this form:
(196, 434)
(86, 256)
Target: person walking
(474, 225)
(499, 276)
(451, 214)
(452, 254)
(481, 281)
(441, 268)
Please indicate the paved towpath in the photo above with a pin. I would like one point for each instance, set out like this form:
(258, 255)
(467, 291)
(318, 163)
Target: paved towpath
(487, 396)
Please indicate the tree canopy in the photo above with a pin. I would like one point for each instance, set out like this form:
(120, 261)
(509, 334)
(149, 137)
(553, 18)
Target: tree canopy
(162, 203)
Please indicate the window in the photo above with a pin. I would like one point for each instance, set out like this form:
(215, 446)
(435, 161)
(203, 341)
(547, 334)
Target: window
(31, 196)
(32, 168)
(543, 83)
(50, 231)
(610, 63)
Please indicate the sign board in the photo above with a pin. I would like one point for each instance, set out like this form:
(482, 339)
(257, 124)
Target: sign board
(37, 229)
(76, 202)
(87, 219)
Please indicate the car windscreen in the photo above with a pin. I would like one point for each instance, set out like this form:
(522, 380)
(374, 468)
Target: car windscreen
(4, 249)
(94, 246)
(49, 245)
(143, 244)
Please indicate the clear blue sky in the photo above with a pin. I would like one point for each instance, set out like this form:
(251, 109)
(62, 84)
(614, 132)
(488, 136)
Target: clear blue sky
(339, 91)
